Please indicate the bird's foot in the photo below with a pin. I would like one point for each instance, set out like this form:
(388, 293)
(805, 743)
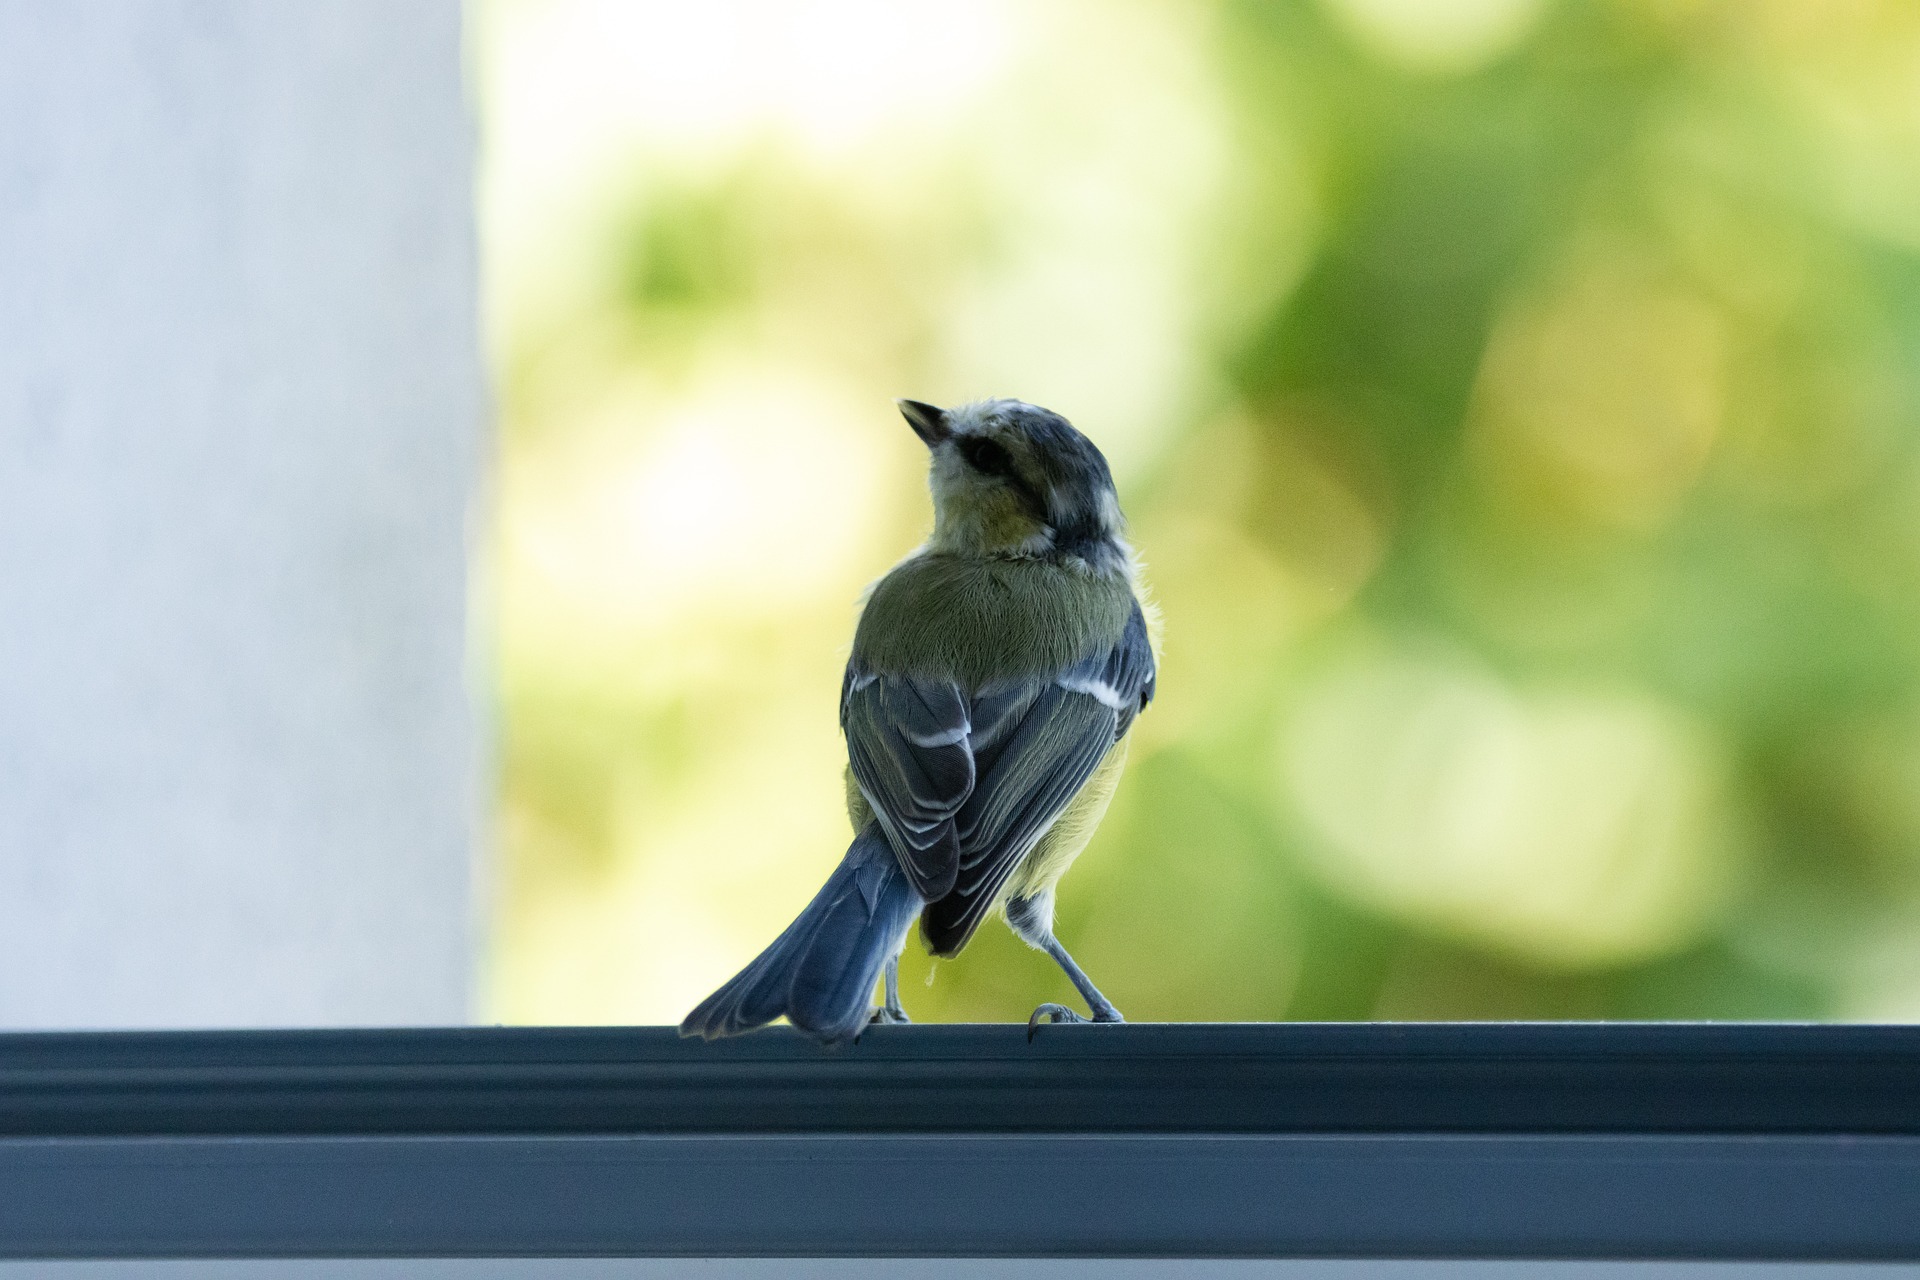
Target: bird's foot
(1050, 1013)
(880, 1017)
(1058, 1013)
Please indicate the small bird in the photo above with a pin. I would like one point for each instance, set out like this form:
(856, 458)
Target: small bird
(995, 673)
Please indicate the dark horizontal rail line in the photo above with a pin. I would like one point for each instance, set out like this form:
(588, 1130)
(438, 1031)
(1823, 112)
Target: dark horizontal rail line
(1192, 1196)
(1175, 1078)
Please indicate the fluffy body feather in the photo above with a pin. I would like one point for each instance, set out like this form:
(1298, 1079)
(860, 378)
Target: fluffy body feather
(994, 676)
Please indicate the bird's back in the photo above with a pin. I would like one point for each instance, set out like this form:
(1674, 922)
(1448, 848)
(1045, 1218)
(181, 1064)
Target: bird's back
(978, 619)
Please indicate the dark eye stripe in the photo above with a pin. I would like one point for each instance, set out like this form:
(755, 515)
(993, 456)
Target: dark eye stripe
(991, 459)
(986, 457)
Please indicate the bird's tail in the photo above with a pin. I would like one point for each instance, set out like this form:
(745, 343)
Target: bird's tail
(820, 973)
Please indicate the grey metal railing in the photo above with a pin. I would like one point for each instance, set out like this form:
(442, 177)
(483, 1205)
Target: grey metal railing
(1414, 1141)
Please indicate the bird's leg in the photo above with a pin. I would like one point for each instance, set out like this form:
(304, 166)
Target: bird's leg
(894, 1012)
(891, 1010)
(1032, 920)
(1103, 1010)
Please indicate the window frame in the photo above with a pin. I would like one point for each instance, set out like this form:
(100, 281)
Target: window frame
(1564, 1141)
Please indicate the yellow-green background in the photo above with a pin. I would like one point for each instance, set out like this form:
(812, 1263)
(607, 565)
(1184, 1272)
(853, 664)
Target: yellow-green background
(1514, 402)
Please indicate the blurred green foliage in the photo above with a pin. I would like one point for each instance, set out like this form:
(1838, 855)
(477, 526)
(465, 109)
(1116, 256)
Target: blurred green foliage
(1515, 405)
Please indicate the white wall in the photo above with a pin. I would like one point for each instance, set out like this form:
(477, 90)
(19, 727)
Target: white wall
(241, 422)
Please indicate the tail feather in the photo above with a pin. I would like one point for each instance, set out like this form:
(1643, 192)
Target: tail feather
(820, 973)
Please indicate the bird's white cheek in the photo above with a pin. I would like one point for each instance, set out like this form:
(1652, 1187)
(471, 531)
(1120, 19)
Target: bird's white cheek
(948, 485)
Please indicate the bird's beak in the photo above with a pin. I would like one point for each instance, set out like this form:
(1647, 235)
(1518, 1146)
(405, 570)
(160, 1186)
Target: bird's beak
(928, 421)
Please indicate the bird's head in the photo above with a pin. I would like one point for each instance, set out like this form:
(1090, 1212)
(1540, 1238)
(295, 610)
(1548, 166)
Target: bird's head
(1013, 479)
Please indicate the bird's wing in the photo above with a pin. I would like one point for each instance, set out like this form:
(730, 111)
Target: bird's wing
(964, 787)
(1035, 744)
(1126, 674)
(1048, 754)
(909, 742)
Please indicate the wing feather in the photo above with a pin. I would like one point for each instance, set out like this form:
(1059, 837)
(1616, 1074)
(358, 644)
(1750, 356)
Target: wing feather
(1048, 756)
(909, 743)
(965, 785)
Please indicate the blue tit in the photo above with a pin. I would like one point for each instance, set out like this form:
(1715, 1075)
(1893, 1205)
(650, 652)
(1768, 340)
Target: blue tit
(994, 675)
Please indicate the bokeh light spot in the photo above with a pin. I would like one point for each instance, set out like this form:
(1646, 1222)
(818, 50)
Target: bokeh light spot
(1572, 828)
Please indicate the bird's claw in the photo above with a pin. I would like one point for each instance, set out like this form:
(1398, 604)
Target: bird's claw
(1058, 1013)
(1055, 1013)
(884, 1016)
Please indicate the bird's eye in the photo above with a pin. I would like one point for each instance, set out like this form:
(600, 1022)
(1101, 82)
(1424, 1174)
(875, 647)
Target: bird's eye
(985, 456)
